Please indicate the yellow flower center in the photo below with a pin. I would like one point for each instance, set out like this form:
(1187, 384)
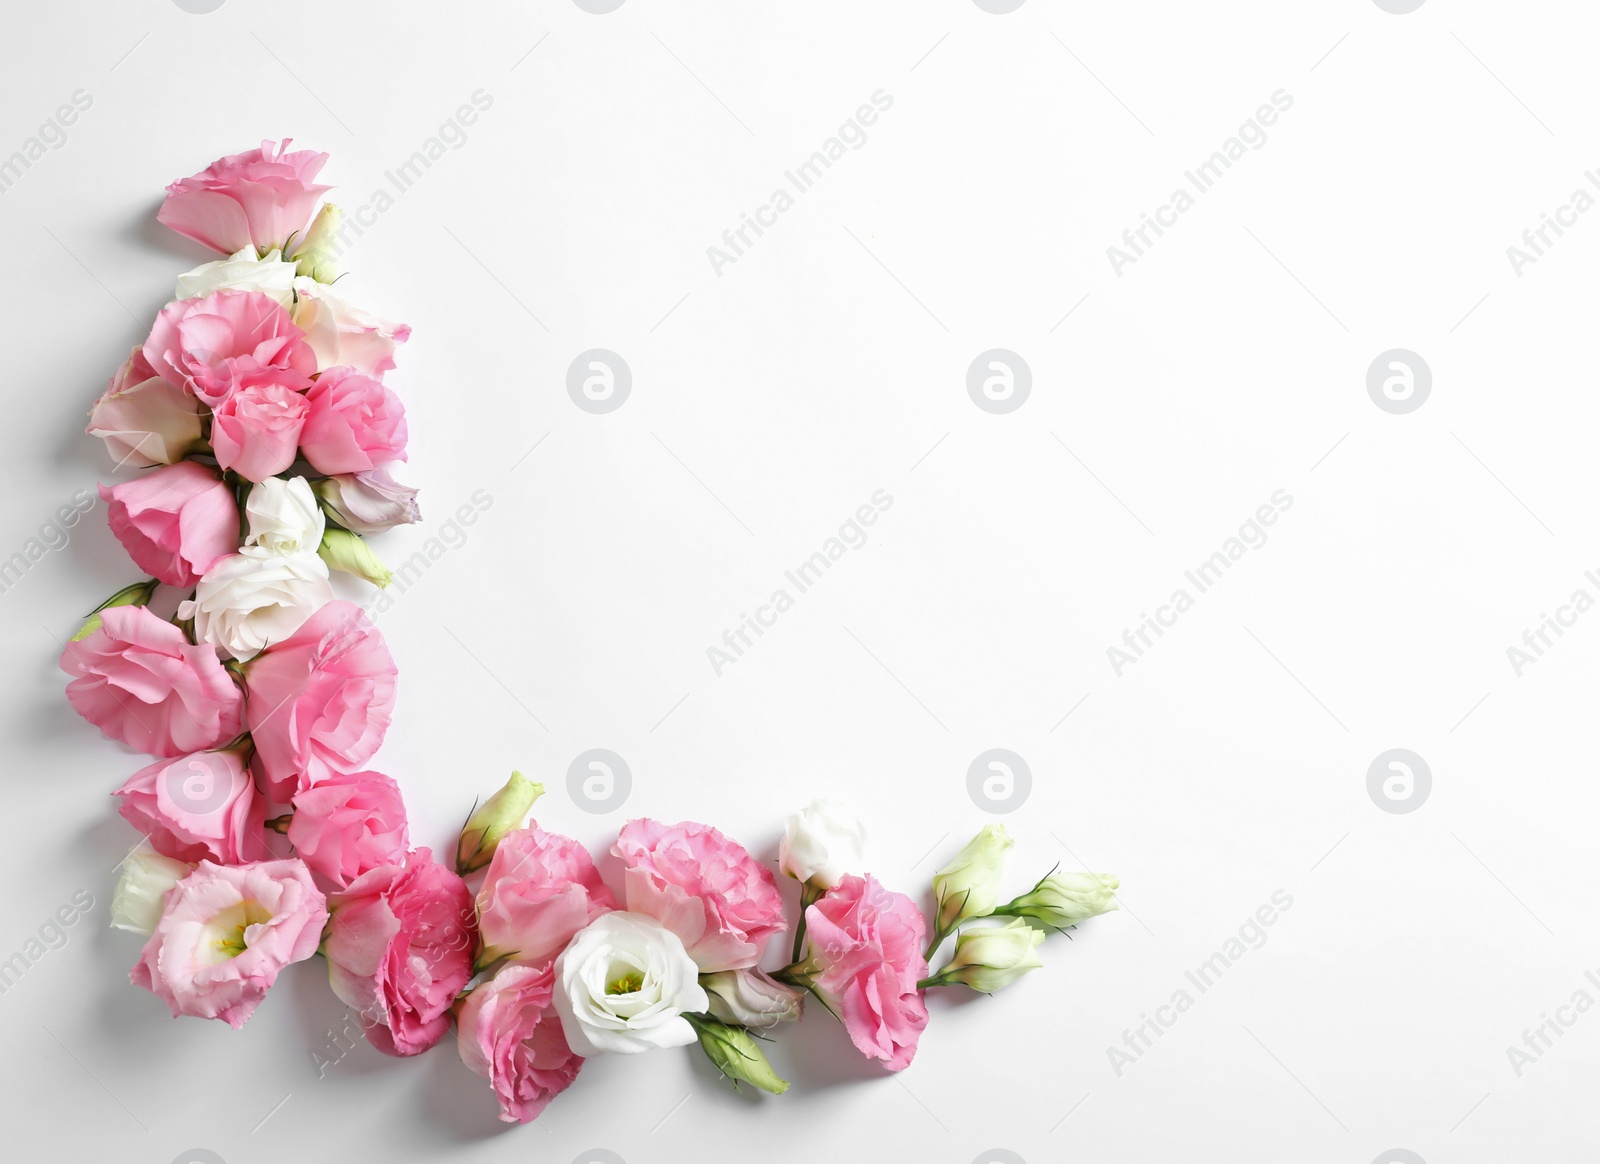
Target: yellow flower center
(627, 984)
(223, 937)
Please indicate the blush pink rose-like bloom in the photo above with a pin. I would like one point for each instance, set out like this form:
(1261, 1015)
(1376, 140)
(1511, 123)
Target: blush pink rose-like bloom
(400, 949)
(342, 334)
(213, 345)
(541, 888)
(508, 1032)
(348, 824)
(866, 960)
(143, 419)
(256, 430)
(198, 807)
(321, 700)
(175, 522)
(371, 502)
(703, 887)
(254, 199)
(225, 933)
(355, 424)
(137, 679)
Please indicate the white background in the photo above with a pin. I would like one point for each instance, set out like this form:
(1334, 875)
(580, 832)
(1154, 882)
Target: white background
(772, 400)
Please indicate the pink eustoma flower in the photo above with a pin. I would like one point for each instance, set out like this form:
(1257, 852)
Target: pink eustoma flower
(256, 430)
(225, 933)
(137, 679)
(349, 823)
(254, 199)
(355, 424)
(703, 887)
(866, 959)
(143, 419)
(198, 807)
(321, 700)
(175, 522)
(214, 345)
(508, 1032)
(400, 949)
(541, 888)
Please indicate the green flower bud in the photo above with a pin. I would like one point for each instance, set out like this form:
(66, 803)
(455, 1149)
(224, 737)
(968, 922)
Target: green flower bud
(343, 550)
(990, 957)
(317, 256)
(502, 813)
(735, 1052)
(137, 594)
(969, 886)
(1064, 899)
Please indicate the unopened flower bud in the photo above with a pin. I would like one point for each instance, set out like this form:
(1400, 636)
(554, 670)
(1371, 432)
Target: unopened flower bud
(141, 892)
(821, 843)
(1064, 899)
(317, 257)
(502, 813)
(969, 886)
(990, 957)
(343, 550)
(136, 595)
(735, 1052)
(751, 998)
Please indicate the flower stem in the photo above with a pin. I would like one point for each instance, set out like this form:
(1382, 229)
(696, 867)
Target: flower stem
(808, 897)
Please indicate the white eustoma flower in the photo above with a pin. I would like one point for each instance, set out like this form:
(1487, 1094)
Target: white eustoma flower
(241, 271)
(141, 892)
(284, 516)
(821, 843)
(623, 984)
(250, 600)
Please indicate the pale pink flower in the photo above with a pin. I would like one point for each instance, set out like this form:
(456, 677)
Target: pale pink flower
(257, 199)
(225, 933)
(137, 679)
(865, 961)
(355, 423)
(143, 419)
(256, 430)
(703, 887)
(400, 949)
(212, 346)
(348, 824)
(202, 806)
(541, 888)
(320, 701)
(174, 522)
(509, 1032)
